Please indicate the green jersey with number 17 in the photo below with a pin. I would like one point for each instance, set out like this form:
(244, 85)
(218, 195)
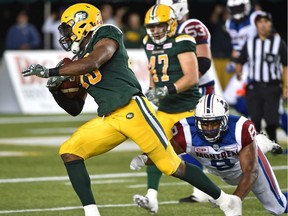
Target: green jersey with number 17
(165, 68)
(114, 83)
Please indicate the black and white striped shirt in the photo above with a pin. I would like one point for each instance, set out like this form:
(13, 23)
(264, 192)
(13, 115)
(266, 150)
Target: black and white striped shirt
(265, 59)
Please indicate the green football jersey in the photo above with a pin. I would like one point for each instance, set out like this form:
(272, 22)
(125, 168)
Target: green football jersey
(114, 84)
(166, 69)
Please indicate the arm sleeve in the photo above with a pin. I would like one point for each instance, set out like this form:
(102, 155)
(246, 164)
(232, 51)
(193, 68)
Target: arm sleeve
(71, 106)
(203, 64)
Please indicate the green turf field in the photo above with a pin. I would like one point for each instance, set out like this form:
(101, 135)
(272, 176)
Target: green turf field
(33, 180)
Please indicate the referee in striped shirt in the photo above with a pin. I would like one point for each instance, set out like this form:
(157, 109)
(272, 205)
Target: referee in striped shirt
(266, 55)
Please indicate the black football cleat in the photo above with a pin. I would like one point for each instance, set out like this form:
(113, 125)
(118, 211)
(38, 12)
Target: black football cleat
(189, 199)
(277, 149)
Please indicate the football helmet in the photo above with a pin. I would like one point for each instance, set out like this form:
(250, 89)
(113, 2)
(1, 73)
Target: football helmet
(76, 22)
(212, 108)
(238, 9)
(162, 18)
(179, 6)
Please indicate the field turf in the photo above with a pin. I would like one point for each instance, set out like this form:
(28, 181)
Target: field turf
(33, 180)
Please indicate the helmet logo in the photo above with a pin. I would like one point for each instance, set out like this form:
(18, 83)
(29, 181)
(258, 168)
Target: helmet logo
(80, 16)
(225, 105)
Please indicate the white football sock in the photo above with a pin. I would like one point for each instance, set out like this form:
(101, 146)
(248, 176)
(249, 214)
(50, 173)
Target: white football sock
(200, 196)
(91, 210)
(152, 193)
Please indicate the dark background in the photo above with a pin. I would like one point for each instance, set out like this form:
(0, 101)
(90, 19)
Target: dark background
(199, 9)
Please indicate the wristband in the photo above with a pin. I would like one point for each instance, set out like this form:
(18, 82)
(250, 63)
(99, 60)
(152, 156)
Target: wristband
(172, 89)
(54, 72)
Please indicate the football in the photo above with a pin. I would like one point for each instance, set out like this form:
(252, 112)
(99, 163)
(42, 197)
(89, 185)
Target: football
(71, 87)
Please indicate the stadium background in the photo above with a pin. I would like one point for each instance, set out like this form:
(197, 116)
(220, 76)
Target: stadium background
(200, 9)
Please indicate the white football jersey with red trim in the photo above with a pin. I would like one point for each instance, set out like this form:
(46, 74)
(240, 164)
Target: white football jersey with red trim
(199, 31)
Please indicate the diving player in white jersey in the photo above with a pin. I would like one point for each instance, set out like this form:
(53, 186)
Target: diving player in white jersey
(225, 145)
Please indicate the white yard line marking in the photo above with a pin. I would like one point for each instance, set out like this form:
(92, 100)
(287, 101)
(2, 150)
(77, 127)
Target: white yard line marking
(16, 153)
(80, 207)
(97, 182)
(65, 178)
(128, 145)
(35, 141)
(98, 176)
(45, 131)
(41, 119)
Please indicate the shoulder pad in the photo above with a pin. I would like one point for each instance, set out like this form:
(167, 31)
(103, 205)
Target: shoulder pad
(184, 37)
(197, 29)
(191, 22)
(145, 39)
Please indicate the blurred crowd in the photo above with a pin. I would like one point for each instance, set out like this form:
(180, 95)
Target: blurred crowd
(26, 33)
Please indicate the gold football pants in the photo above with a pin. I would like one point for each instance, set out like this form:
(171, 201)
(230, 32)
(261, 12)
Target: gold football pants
(136, 121)
(168, 120)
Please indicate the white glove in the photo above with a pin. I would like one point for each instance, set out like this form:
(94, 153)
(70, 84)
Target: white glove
(150, 94)
(230, 67)
(54, 83)
(138, 162)
(161, 92)
(37, 70)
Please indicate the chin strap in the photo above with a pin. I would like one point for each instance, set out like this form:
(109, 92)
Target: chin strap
(75, 47)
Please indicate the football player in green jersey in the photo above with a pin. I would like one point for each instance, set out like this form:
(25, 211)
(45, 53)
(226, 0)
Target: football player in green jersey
(174, 81)
(123, 111)
(173, 67)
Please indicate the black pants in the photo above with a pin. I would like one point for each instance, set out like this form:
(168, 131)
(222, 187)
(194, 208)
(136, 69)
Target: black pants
(263, 103)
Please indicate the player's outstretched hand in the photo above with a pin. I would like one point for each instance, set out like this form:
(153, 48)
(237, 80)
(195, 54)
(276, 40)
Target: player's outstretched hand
(150, 94)
(53, 83)
(230, 67)
(138, 162)
(37, 70)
